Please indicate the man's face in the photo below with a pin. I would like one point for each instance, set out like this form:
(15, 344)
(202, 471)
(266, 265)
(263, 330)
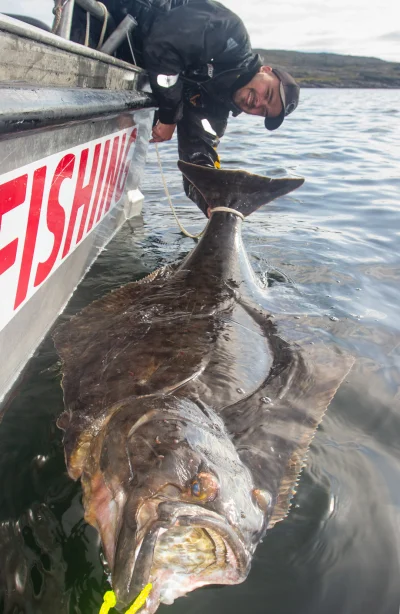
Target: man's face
(261, 95)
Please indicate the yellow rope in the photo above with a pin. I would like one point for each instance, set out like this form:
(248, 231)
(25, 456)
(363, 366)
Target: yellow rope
(140, 600)
(185, 232)
(110, 600)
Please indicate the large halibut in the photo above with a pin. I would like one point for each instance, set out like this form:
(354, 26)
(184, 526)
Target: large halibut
(189, 409)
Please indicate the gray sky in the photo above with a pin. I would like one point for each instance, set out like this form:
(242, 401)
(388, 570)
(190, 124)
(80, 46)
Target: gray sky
(355, 27)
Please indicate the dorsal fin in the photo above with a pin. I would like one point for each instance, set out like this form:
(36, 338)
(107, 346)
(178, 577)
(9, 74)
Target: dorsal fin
(239, 190)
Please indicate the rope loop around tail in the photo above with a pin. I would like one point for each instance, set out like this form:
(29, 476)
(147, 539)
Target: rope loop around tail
(228, 210)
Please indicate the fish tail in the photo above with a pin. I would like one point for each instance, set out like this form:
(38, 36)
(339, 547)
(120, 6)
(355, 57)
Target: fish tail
(238, 190)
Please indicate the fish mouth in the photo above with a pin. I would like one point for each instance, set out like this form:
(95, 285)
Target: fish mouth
(184, 548)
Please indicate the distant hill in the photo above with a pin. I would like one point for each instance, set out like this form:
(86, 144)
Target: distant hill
(333, 70)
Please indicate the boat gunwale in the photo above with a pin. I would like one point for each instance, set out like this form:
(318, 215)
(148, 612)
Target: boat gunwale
(26, 107)
(24, 30)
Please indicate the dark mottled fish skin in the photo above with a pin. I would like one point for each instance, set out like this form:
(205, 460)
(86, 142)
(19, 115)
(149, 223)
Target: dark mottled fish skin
(187, 382)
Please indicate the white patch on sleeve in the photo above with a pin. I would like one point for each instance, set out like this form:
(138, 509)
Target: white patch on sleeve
(207, 127)
(167, 80)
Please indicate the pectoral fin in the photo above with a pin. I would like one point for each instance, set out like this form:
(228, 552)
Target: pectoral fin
(274, 428)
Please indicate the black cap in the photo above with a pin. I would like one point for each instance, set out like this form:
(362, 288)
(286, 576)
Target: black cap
(290, 93)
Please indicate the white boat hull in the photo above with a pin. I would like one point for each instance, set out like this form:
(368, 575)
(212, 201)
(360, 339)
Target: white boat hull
(74, 130)
(58, 213)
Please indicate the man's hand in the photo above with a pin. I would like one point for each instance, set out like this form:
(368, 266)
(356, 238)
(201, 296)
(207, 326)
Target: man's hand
(162, 132)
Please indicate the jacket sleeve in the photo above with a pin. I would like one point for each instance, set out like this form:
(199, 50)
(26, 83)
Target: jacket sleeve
(191, 36)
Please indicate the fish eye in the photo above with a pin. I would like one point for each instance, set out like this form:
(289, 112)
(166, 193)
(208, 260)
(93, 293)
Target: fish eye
(196, 490)
(204, 487)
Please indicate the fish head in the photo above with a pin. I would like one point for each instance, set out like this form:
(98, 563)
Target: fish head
(183, 513)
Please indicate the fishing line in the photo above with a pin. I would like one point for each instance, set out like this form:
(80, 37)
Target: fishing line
(185, 232)
(213, 210)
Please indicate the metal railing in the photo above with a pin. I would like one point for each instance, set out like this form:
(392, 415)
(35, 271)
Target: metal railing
(100, 12)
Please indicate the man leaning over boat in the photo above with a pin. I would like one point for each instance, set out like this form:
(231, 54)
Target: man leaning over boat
(201, 68)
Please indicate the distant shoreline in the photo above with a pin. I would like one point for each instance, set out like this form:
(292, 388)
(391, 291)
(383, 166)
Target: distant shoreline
(331, 70)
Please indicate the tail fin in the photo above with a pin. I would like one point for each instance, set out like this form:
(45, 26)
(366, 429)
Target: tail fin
(238, 190)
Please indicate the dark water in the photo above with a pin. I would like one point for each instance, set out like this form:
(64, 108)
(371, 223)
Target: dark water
(331, 251)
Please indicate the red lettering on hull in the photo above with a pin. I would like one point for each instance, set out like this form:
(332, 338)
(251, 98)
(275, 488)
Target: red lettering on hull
(99, 185)
(39, 178)
(12, 194)
(55, 216)
(58, 203)
(82, 197)
(125, 165)
(110, 180)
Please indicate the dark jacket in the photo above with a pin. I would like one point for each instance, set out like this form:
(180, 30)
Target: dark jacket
(203, 45)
